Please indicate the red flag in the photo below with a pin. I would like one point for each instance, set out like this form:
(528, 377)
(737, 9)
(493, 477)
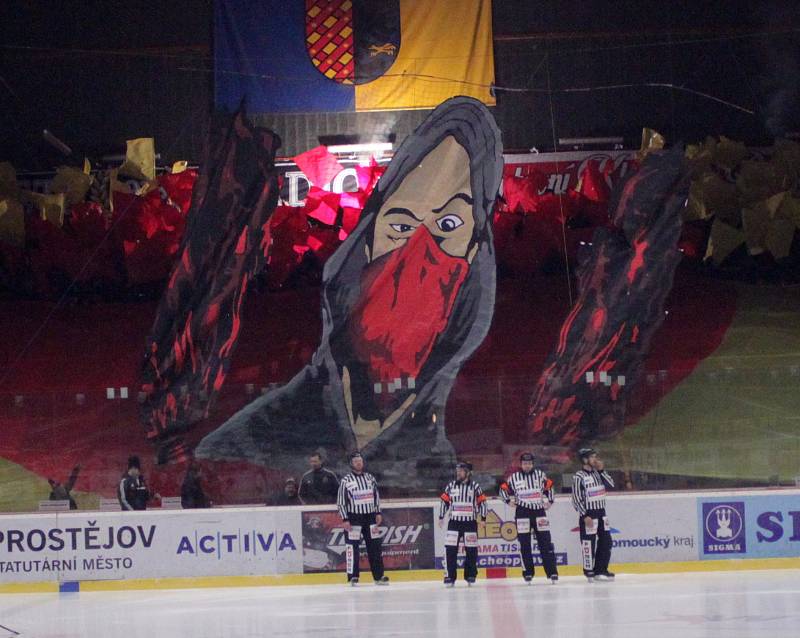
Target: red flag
(318, 165)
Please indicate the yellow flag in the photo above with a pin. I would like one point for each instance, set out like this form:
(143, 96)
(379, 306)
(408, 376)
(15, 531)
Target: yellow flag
(12, 222)
(652, 140)
(74, 183)
(445, 50)
(140, 159)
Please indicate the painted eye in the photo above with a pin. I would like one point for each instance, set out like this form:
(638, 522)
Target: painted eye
(449, 223)
(401, 228)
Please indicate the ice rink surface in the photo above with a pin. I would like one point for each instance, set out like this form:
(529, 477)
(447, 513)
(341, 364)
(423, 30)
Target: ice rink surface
(729, 604)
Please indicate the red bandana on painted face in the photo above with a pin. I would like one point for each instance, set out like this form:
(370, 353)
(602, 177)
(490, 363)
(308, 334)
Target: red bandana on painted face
(406, 299)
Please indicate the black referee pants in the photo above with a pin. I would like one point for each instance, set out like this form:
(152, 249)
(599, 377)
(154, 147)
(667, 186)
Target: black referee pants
(361, 525)
(595, 542)
(456, 532)
(529, 522)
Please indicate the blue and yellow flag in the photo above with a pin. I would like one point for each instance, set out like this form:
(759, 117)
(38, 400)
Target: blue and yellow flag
(305, 56)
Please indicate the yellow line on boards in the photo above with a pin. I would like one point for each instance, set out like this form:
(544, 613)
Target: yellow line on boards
(204, 582)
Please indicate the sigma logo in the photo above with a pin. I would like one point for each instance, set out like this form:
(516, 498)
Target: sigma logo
(724, 528)
(391, 535)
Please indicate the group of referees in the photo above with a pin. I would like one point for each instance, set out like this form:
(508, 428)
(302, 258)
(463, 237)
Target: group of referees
(463, 505)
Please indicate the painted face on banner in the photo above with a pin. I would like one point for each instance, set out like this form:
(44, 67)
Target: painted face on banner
(420, 254)
(436, 195)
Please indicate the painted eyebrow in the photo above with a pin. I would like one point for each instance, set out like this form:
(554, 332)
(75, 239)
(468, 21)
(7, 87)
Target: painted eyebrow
(463, 196)
(402, 211)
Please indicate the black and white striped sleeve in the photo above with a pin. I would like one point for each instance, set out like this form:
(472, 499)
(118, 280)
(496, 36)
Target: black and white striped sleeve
(445, 500)
(341, 500)
(377, 496)
(607, 478)
(578, 494)
(480, 502)
(507, 489)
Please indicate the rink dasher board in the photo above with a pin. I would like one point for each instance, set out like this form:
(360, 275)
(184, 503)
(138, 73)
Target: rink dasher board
(267, 543)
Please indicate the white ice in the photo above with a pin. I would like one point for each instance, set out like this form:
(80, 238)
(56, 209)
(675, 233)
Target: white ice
(729, 604)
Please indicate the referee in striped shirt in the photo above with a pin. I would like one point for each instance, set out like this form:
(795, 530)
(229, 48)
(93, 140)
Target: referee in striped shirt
(532, 492)
(589, 499)
(359, 506)
(466, 502)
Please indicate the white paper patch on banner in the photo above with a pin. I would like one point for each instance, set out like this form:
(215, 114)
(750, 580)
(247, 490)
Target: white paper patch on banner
(543, 524)
(355, 533)
(588, 557)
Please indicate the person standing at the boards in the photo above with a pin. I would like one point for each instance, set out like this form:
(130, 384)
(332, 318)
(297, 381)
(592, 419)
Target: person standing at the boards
(589, 499)
(133, 493)
(360, 509)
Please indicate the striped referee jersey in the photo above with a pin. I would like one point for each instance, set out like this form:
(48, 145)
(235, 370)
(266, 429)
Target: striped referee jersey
(531, 489)
(589, 490)
(465, 500)
(358, 494)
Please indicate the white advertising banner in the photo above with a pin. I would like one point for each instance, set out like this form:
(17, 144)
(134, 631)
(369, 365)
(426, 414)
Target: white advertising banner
(153, 544)
(644, 528)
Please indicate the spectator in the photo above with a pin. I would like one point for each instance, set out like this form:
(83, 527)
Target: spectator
(288, 496)
(63, 492)
(192, 494)
(319, 486)
(133, 493)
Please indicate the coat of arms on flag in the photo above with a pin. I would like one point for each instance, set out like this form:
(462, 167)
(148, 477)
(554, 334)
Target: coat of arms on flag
(352, 41)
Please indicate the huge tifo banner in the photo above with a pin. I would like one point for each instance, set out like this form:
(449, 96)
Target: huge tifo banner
(344, 55)
(645, 528)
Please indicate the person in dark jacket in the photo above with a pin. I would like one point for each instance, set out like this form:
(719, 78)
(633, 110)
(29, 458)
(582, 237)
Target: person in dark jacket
(133, 492)
(319, 485)
(192, 494)
(62, 491)
(288, 496)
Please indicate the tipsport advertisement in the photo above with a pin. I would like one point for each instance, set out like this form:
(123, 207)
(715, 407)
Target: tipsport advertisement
(407, 535)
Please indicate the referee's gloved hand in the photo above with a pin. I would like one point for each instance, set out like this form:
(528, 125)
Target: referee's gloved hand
(346, 525)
